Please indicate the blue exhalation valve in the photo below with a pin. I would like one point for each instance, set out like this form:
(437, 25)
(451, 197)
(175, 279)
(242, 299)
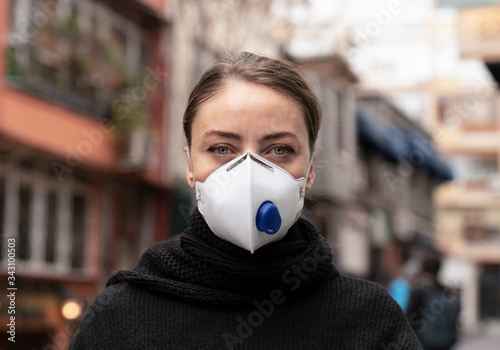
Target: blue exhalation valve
(268, 218)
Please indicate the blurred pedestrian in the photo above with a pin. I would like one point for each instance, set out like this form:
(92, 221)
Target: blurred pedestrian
(248, 273)
(399, 289)
(433, 310)
(400, 286)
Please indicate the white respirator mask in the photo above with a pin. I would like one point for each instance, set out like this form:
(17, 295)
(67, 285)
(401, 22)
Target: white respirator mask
(250, 201)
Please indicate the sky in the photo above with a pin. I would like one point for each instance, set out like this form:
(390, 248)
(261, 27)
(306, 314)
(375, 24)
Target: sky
(398, 44)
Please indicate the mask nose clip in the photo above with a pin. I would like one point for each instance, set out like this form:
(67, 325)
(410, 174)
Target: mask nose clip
(268, 218)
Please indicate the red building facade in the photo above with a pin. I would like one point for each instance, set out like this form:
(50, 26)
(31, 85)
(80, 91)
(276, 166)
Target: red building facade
(83, 125)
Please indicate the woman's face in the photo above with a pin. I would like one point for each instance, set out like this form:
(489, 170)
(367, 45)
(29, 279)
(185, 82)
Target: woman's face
(248, 117)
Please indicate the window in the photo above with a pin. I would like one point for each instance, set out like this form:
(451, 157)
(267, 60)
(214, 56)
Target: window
(468, 112)
(475, 225)
(482, 225)
(477, 171)
(48, 219)
(24, 218)
(79, 204)
(50, 253)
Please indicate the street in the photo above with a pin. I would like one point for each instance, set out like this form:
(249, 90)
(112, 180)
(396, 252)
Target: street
(479, 342)
(487, 338)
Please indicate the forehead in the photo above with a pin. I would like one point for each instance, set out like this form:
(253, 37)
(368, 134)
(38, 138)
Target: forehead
(250, 108)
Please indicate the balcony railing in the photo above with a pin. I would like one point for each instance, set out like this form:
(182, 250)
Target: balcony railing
(82, 66)
(69, 97)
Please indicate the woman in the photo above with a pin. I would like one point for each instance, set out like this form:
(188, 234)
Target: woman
(248, 273)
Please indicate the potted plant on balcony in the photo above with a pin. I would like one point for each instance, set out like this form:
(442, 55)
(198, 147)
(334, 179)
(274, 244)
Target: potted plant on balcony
(11, 62)
(130, 122)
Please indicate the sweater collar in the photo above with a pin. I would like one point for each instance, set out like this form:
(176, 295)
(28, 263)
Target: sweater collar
(202, 267)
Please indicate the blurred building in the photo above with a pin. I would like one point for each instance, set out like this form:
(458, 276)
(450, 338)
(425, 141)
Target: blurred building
(437, 61)
(375, 173)
(400, 168)
(333, 194)
(83, 133)
(469, 124)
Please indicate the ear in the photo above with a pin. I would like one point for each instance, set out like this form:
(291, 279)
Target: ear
(189, 173)
(310, 177)
(189, 176)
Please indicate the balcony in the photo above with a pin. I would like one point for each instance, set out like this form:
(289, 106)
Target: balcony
(90, 58)
(85, 57)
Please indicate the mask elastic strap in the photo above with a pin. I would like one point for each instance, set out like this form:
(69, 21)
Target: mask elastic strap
(190, 162)
(309, 168)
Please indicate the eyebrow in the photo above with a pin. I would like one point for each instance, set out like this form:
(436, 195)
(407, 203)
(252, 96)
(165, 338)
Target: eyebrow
(279, 135)
(238, 137)
(225, 134)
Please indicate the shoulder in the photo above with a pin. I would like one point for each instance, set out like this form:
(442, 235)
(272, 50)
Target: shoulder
(361, 291)
(104, 316)
(111, 298)
(358, 300)
(367, 307)
(107, 303)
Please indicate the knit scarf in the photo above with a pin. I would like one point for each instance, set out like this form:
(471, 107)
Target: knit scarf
(201, 267)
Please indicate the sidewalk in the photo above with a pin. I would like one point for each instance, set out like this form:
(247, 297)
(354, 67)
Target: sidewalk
(479, 342)
(487, 338)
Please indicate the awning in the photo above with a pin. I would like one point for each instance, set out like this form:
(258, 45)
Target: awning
(398, 145)
(441, 169)
(381, 137)
(422, 153)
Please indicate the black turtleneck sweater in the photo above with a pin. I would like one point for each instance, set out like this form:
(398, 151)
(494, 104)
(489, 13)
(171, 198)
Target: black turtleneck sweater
(200, 292)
